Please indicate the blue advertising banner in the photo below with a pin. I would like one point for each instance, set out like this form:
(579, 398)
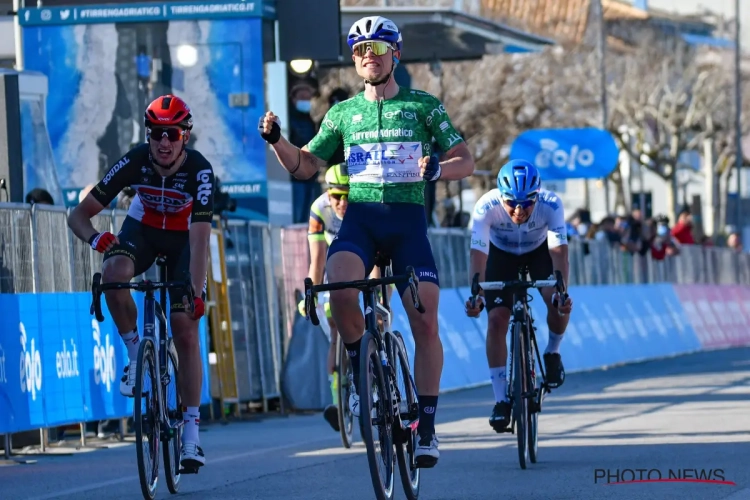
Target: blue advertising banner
(104, 76)
(145, 12)
(58, 365)
(584, 153)
(609, 325)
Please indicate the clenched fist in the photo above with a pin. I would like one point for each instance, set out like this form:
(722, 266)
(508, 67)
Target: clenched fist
(429, 167)
(269, 128)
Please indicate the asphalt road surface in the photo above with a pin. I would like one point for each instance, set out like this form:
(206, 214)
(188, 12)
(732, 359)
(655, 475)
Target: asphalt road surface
(689, 414)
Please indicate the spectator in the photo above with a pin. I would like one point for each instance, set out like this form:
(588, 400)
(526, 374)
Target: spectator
(683, 230)
(40, 196)
(630, 230)
(302, 129)
(606, 231)
(734, 242)
(578, 224)
(659, 240)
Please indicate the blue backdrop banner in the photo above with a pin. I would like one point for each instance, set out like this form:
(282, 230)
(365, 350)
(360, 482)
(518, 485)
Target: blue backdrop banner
(610, 325)
(568, 153)
(58, 365)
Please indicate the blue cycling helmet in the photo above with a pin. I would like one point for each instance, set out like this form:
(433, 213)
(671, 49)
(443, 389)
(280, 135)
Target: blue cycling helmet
(374, 28)
(519, 180)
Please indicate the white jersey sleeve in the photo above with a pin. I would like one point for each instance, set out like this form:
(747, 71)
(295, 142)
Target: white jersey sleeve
(557, 233)
(482, 219)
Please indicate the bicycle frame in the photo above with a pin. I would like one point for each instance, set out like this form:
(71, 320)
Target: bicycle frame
(373, 308)
(153, 311)
(521, 314)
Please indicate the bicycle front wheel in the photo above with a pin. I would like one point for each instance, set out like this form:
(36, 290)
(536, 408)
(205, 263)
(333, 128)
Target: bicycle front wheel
(146, 419)
(374, 416)
(346, 419)
(173, 434)
(520, 403)
(533, 415)
(408, 408)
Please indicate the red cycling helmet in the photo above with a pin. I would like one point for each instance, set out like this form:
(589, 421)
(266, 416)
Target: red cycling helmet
(168, 110)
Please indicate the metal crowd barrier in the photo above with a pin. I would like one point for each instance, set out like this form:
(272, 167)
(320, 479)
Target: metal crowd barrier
(261, 268)
(592, 262)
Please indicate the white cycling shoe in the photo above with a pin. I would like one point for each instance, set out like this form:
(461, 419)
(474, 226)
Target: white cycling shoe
(127, 382)
(354, 404)
(191, 456)
(427, 454)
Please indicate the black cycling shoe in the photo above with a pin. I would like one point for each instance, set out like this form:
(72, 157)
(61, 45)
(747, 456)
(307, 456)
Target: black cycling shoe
(331, 414)
(500, 417)
(555, 370)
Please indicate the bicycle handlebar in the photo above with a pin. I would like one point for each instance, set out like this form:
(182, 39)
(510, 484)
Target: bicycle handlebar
(97, 288)
(558, 283)
(363, 285)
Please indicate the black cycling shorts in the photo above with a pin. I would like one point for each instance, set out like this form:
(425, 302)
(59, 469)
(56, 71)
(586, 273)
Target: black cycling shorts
(503, 266)
(142, 244)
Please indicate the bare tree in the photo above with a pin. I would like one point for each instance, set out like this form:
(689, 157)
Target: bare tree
(664, 108)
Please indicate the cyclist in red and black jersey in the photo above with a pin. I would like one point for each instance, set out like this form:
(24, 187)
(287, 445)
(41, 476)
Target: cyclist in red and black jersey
(170, 215)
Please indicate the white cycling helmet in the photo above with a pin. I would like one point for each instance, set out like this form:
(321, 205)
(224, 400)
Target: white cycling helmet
(374, 28)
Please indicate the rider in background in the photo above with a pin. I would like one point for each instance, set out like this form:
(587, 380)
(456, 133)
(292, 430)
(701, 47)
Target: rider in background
(518, 224)
(326, 214)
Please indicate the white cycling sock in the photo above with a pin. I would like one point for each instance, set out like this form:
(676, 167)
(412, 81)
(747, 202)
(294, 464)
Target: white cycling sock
(553, 345)
(192, 419)
(133, 343)
(499, 383)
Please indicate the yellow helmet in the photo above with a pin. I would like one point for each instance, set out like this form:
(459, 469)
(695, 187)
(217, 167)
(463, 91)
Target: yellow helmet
(337, 179)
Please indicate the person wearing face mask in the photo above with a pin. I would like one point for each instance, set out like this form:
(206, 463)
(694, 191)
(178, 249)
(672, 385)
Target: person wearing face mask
(302, 129)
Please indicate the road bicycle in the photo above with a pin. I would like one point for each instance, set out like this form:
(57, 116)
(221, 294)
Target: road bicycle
(388, 399)
(157, 414)
(525, 391)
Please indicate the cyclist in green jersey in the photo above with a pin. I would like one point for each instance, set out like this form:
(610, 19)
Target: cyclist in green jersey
(387, 132)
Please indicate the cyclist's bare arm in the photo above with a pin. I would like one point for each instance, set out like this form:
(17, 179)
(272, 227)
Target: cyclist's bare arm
(459, 163)
(299, 162)
(200, 232)
(318, 251)
(79, 219)
(559, 256)
(480, 241)
(477, 264)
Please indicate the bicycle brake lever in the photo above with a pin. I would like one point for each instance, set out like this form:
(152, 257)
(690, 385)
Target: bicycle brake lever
(475, 289)
(312, 314)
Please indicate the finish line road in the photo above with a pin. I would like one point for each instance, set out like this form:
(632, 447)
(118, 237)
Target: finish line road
(687, 416)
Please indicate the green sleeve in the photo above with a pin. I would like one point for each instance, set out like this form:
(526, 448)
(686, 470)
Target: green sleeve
(329, 137)
(439, 123)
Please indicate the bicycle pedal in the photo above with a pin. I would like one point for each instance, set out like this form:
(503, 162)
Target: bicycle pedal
(189, 470)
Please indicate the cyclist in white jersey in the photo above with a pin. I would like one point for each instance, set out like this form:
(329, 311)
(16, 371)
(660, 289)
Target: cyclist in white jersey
(518, 224)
